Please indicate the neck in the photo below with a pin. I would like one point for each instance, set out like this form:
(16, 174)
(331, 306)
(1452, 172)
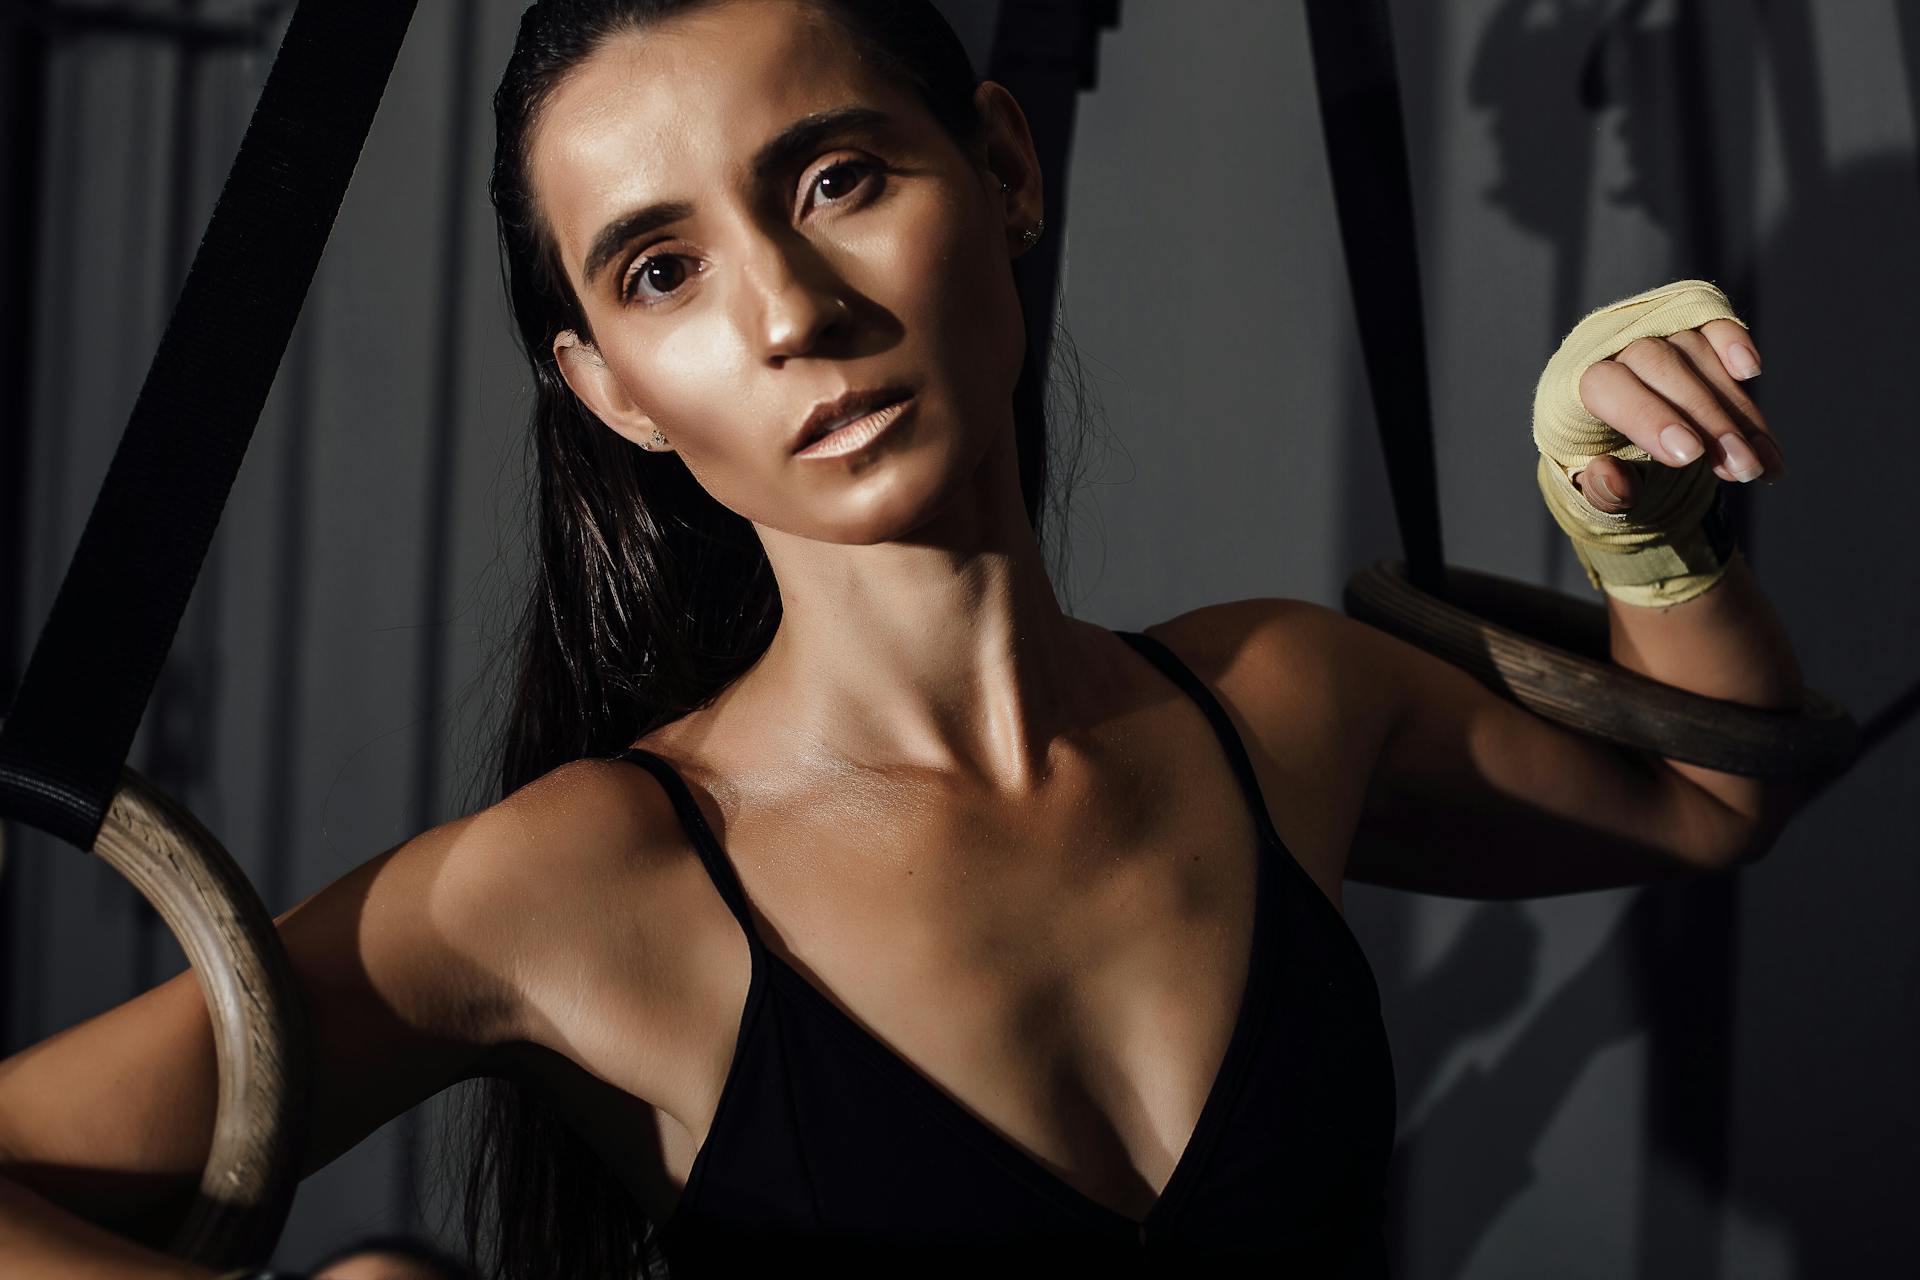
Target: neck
(948, 651)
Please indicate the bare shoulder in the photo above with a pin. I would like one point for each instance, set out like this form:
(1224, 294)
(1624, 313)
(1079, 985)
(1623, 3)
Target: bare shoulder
(1252, 633)
(594, 866)
(627, 963)
(586, 818)
(1302, 684)
(1278, 654)
(462, 934)
(488, 887)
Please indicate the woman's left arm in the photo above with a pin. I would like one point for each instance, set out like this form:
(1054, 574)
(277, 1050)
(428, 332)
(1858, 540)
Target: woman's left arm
(1727, 642)
(1472, 795)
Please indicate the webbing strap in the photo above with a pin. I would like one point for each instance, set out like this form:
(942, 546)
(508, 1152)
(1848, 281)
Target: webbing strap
(93, 668)
(1359, 89)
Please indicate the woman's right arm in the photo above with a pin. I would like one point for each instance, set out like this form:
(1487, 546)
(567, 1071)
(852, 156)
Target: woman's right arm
(410, 968)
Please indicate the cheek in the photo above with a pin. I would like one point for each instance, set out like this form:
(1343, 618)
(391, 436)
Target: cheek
(943, 272)
(686, 378)
(674, 376)
(969, 306)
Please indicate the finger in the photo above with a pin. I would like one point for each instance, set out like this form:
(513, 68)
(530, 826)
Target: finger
(1734, 345)
(1609, 484)
(1708, 359)
(1615, 394)
(1667, 369)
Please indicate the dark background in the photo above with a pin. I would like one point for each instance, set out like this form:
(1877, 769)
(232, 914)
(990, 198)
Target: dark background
(1698, 1081)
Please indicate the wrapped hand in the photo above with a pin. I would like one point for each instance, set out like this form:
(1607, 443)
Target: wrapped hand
(1635, 414)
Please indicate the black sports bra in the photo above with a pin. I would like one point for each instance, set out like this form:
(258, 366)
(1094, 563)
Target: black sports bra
(828, 1147)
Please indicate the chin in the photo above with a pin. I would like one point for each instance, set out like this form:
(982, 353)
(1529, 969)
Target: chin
(897, 492)
(889, 503)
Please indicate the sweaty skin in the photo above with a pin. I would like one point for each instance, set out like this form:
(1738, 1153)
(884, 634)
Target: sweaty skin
(924, 674)
(919, 626)
(1008, 847)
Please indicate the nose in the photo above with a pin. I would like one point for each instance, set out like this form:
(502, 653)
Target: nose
(798, 296)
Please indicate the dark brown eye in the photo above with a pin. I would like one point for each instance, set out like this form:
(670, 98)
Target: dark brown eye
(844, 178)
(665, 271)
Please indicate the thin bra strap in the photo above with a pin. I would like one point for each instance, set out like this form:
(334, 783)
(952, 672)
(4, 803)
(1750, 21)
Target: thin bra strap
(1174, 669)
(712, 856)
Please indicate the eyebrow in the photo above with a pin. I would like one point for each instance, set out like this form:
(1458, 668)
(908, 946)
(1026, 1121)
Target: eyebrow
(790, 145)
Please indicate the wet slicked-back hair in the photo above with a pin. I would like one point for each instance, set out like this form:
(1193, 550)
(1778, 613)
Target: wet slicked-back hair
(648, 596)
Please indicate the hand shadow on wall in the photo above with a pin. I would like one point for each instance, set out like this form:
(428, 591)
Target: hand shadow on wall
(1544, 68)
(1478, 1138)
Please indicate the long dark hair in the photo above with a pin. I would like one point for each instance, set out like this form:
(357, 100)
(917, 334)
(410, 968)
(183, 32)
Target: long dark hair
(648, 596)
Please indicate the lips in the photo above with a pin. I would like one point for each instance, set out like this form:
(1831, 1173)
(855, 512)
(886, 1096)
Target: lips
(829, 415)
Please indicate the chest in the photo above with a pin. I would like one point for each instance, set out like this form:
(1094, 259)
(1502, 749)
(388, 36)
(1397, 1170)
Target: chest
(1068, 978)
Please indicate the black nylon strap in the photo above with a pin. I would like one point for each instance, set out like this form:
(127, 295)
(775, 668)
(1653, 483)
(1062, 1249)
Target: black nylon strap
(86, 686)
(1359, 89)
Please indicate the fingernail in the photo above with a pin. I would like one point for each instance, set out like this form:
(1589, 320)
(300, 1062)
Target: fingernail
(1740, 458)
(1744, 363)
(1679, 443)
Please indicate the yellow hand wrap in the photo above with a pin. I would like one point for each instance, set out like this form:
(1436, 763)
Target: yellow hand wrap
(1674, 544)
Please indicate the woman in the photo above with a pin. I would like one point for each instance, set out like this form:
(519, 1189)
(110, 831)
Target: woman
(844, 889)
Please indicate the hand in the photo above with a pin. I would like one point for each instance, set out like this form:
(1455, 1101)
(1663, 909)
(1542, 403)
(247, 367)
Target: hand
(1689, 380)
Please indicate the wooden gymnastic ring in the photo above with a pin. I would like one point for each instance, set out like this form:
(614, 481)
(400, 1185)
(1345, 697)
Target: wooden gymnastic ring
(259, 1026)
(1548, 652)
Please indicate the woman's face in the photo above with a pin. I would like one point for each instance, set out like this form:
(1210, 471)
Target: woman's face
(873, 254)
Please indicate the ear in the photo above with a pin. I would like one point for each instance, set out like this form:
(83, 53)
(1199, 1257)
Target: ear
(1007, 154)
(602, 393)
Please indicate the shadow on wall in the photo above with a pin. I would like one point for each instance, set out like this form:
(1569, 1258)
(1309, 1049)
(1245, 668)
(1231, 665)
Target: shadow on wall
(1750, 973)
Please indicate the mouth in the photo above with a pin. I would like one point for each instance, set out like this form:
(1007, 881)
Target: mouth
(854, 409)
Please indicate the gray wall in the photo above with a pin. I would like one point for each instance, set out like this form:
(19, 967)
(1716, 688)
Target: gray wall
(1697, 1081)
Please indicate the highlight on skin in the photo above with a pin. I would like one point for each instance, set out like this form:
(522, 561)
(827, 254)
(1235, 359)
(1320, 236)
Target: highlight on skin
(663, 574)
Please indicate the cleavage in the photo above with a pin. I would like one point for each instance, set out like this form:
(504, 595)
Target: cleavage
(1087, 1043)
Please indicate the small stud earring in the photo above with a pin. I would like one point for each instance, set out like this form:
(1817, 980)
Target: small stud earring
(1031, 236)
(657, 441)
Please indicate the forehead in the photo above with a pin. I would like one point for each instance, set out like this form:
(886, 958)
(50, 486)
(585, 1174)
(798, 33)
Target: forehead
(654, 113)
